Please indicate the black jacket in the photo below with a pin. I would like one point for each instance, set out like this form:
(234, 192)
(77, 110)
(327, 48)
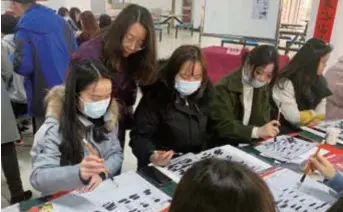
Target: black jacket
(164, 121)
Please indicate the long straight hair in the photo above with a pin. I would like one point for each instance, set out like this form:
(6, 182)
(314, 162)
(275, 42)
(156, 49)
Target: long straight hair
(89, 24)
(302, 69)
(81, 75)
(141, 64)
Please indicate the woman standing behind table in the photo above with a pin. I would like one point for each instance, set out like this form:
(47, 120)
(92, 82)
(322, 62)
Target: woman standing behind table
(173, 114)
(240, 108)
(301, 87)
(90, 27)
(81, 110)
(127, 48)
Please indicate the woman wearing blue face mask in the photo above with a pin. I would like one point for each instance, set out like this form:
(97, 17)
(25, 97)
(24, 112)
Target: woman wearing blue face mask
(240, 109)
(80, 111)
(172, 116)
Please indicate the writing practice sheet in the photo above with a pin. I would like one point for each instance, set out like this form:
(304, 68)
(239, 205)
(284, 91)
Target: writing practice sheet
(328, 124)
(128, 192)
(178, 166)
(290, 197)
(285, 148)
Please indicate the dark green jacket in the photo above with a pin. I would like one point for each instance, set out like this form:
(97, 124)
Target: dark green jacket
(227, 110)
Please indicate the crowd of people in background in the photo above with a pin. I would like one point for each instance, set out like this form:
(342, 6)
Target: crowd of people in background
(92, 69)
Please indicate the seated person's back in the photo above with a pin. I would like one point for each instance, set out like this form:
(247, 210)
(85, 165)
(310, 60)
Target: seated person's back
(220, 185)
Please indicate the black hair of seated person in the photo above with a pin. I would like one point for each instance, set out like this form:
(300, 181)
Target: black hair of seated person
(261, 56)
(104, 21)
(338, 206)
(63, 12)
(220, 185)
(8, 24)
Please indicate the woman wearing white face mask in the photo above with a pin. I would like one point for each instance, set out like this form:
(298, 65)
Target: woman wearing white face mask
(82, 109)
(240, 108)
(172, 116)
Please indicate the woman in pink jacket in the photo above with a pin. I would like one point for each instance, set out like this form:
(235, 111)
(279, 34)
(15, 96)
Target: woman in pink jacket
(334, 78)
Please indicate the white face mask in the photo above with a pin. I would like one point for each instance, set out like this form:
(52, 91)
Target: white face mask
(97, 109)
(257, 84)
(254, 82)
(187, 88)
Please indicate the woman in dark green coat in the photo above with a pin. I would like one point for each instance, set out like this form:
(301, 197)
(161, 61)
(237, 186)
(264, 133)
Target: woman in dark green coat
(240, 110)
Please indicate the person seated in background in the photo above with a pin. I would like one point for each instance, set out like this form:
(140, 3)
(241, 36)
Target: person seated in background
(63, 12)
(334, 78)
(220, 185)
(301, 89)
(240, 110)
(172, 116)
(333, 177)
(75, 16)
(82, 110)
(104, 21)
(90, 27)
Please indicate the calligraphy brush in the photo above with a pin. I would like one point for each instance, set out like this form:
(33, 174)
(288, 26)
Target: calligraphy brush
(308, 165)
(93, 152)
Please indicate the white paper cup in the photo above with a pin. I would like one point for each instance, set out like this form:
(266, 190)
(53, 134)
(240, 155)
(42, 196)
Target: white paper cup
(332, 134)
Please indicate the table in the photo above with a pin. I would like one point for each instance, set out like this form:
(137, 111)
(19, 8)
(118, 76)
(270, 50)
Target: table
(220, 64)
(170, 187)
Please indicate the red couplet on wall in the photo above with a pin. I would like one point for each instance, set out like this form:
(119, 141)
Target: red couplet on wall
(325, 19)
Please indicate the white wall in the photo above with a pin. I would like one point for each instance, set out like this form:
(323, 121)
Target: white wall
(152, 4)
(337, 31)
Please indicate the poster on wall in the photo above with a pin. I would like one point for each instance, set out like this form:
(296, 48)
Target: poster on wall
(325, 19)
(116, 4)
(260, 9)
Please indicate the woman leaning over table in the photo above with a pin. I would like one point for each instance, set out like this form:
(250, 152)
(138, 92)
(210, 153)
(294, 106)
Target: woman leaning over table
(172, 116)
(81, 110)
(240, 109)
(127, 48)
(301, 87)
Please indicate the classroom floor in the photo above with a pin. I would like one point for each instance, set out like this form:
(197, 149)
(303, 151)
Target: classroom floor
(165, 48)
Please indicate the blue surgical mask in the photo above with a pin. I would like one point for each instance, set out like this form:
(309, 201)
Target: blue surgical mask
(187, 88)
(97, 109)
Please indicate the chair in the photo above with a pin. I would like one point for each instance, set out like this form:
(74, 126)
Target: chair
(184, 26)
(158, 28)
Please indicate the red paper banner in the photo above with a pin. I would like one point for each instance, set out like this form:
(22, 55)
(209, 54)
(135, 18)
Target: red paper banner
(325, 19)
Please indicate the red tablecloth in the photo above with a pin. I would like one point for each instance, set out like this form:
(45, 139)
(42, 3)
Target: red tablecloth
(220, 64)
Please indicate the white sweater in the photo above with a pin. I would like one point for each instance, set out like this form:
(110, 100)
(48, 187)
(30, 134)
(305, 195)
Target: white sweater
(289, 108)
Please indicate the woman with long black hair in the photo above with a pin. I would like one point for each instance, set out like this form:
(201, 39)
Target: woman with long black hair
(82, 111)
(301, 89)
(127, 49)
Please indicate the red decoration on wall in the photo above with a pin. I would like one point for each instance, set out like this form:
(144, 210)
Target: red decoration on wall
(325, 19)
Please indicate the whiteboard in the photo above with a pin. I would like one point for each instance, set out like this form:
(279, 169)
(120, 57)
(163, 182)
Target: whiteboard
(235, 18)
